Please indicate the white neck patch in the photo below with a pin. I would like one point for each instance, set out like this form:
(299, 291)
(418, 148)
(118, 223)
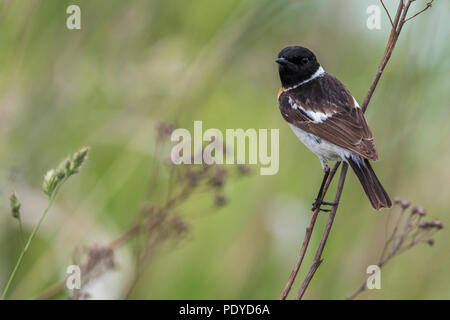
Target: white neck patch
(319, 73)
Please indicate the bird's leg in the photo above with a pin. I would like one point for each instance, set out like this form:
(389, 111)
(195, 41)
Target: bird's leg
(316, 203)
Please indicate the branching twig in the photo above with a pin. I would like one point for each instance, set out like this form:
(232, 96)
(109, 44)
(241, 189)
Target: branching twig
(155, 225)
(414, 231)
(429, 5)
(317, 258)
(308, 233)
(387, 12)
(397, 25)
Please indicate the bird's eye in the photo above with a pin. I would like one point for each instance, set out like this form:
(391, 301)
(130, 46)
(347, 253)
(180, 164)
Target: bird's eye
(304, 60)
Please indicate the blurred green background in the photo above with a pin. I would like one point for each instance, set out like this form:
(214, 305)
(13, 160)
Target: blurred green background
(134, 63)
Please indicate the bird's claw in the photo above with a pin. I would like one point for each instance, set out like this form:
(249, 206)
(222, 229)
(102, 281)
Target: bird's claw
(317, 205)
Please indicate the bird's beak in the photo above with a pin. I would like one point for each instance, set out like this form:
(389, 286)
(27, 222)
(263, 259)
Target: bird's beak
(282, 61)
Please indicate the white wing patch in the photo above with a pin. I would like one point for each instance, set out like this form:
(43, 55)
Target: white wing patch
(316, 116)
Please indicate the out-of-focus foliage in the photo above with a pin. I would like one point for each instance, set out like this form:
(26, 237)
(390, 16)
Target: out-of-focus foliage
(134, 63)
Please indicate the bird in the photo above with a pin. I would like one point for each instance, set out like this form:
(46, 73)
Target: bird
(328, 120)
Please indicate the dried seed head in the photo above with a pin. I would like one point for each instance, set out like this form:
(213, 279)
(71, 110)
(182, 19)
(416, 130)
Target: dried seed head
(220, 200)
(430, 242)
(425, 225)
(418, 210)
(218, 177)
(165, 129)
(422, 211)
(193, 177)
(431, 224)
(405, 204)
(15, 205)
(244, 169)
(179, 225)
(397, 200)
(437, 224)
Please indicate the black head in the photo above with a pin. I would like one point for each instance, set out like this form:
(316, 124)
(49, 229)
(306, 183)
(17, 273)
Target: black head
(296, 64)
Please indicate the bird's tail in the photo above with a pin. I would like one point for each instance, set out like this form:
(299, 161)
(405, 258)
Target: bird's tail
(375, 192)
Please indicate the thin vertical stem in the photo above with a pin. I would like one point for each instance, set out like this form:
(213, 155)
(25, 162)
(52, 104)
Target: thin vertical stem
(30, 239)
(308, 234)
(317, 258)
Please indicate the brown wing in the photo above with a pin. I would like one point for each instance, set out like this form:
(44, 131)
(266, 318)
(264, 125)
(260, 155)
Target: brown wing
(325, 108)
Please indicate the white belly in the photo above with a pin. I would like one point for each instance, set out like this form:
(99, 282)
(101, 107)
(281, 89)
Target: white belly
(323, 149)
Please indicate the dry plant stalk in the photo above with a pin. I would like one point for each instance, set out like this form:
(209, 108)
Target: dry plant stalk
(156, 224)
(407, 233)
(397, 26)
